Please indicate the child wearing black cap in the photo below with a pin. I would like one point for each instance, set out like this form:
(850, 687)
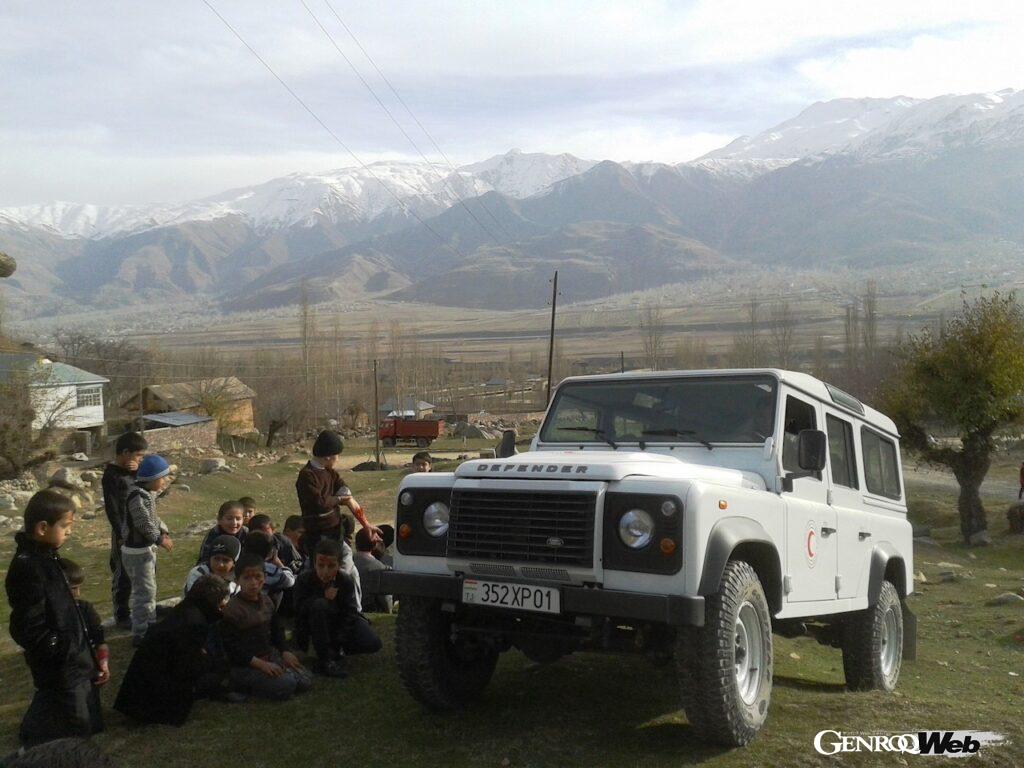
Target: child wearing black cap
(322, 493)
(224, 552)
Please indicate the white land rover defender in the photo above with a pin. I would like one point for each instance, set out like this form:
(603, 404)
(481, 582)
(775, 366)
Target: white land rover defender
(683, 515)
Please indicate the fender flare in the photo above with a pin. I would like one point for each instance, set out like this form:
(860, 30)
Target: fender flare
(728, 534)
(881, 554)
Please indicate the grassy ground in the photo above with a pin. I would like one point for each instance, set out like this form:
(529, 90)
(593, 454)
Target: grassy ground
(588, 709)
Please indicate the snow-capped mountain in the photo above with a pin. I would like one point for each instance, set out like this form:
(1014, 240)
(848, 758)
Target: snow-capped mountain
(827, 126)
(852, 182)
(345, 195)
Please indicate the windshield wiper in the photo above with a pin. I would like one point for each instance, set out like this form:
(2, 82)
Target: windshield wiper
(592, 430)
(673, 432)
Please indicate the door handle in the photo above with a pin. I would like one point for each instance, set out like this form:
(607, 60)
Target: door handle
(826, 531)
(864, 535)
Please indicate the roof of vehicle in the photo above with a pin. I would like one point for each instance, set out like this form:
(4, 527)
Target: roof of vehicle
(802, 381)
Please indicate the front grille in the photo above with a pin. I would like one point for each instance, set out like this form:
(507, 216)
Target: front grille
(526, 526)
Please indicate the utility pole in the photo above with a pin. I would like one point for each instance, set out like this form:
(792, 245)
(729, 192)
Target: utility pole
(622, 362)
(376, 417)
(551, 339)
(142, 411)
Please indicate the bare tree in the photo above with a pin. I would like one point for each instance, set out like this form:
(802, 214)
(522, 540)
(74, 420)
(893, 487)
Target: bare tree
(652, 335)
(28, 436)
(279, 408)
(782, 332)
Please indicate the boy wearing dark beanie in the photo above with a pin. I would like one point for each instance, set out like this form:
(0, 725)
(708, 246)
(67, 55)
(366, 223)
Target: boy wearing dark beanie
(322, 493)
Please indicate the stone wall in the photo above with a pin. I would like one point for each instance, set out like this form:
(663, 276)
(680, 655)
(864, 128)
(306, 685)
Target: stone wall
(169, 439)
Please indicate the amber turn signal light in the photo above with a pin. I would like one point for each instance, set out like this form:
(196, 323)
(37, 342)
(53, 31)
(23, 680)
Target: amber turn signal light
(404, 531)
(667, 546)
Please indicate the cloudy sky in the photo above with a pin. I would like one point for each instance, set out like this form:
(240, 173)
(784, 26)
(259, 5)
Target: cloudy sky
(117, 102)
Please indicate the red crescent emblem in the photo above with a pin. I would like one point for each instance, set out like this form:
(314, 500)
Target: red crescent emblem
(810, 544)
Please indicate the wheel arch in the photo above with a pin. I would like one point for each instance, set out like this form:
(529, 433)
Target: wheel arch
(740, 538)
(887, 564)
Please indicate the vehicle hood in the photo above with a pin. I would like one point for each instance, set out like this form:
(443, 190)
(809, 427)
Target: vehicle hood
(603, 465)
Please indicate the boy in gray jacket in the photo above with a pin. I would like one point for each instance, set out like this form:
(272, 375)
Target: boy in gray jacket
(142, 533)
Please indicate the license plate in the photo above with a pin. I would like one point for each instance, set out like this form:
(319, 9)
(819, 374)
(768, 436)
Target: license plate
(522, 597)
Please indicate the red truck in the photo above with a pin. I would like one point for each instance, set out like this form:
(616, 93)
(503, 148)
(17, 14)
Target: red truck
(422, 432)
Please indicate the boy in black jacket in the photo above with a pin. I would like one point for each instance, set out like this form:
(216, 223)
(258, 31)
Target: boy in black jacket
(261, 664)
(46, 622)
(327, 612)
(118, 477)
(75, 575)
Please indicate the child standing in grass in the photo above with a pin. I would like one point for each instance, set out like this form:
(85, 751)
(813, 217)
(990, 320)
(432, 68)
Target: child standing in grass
(142, 533)
(46, 623)
(254, 640)
(230, 522)
(118, 477)
(75, 575)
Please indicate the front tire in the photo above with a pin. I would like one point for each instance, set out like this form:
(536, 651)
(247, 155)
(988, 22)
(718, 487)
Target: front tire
(441, 672)
(873, 643)
(725, 667)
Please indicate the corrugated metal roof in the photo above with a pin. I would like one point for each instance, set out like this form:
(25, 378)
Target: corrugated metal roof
(177, 418)
(44, 373)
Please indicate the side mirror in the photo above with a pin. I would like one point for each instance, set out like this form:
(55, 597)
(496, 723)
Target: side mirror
(812, 450)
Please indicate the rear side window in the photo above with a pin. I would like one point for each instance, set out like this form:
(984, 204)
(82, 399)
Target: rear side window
(881, 470)
(842, 452)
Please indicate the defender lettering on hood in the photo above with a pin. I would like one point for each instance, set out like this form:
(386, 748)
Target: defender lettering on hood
(565, 469)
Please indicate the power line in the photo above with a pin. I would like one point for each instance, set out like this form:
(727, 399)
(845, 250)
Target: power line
(401, 101)
(332, 134)
(400, 127)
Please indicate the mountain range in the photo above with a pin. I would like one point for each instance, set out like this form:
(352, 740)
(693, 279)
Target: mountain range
(858, 183)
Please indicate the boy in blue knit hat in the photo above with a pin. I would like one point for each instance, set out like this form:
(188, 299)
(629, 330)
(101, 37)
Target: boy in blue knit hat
(142, 532)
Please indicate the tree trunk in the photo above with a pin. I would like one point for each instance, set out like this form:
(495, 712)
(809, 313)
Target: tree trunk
(272, 429)
(972, 512)
(970, 468)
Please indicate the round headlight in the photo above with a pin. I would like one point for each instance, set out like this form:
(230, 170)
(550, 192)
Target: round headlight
(668, 508)
(636, 528)
(435, 519)
(405, 499)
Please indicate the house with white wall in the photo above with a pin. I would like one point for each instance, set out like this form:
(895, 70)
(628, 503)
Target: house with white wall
(62, 396)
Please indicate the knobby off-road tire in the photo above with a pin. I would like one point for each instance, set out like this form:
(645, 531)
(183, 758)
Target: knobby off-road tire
(873, 643)
(725, 667)
(438, 673)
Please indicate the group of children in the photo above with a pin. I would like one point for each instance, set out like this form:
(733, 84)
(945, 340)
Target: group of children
(227, 638)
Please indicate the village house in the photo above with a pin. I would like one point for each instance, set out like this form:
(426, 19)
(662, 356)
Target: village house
(227, 400)
(62, 396)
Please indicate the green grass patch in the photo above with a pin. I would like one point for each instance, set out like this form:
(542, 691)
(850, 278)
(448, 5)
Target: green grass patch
(589, 709)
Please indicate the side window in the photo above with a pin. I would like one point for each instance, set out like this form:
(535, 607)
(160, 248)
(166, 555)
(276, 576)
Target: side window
(799, 416)
(842, 453)
(881, 470)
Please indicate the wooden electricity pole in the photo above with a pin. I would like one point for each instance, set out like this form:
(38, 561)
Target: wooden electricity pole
(551, 339)
(622, 362)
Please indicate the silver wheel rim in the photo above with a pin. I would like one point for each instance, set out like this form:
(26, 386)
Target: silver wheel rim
(890, 647)
(749, 653)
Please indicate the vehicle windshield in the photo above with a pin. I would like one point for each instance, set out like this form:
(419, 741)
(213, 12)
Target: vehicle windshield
(708, 410)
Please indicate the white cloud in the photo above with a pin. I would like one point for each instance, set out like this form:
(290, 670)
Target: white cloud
(158, 101)
(981, 60)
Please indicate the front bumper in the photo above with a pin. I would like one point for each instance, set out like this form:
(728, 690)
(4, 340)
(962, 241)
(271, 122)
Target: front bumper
(674, 610)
